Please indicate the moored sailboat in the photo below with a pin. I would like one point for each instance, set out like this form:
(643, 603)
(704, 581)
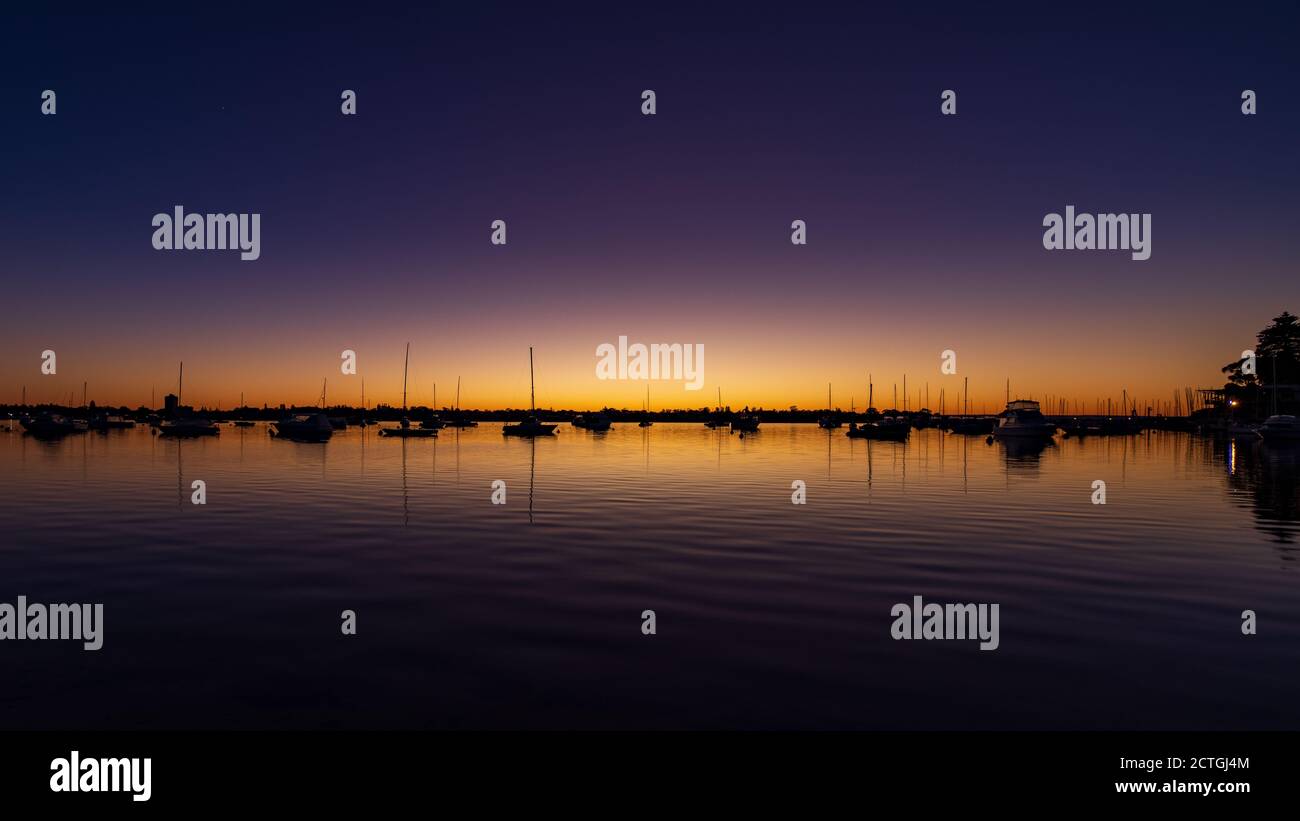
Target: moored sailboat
(530, 426)
(185, 426)
(829, 419)
(404, 429)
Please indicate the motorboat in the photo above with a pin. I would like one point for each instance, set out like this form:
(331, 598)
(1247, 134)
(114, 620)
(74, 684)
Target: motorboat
(304, 427)
(49, 425)
(971, 425)
(1280, 428)
(188, 427)
(592, 422)
(1023, 419)
(890, 427)
(745, 423)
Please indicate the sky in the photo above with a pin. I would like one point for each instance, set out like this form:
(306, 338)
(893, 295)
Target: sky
(924, 231)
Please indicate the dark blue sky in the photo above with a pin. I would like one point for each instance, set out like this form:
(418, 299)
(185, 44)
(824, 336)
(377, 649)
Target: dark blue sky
(470, 112)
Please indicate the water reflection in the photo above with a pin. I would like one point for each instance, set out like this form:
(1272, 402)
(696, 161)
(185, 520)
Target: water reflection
(1263, 478)
(794, 602)
(1022, 455)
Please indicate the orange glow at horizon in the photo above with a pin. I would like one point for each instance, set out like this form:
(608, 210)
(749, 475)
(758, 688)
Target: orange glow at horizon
(752, 368)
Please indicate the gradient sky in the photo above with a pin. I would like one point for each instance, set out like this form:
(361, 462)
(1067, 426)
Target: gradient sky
(924, 231)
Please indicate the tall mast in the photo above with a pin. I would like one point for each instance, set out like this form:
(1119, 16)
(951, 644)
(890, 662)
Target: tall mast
(828, 396)
(1274, 358)
(404, 367)
(180, 385)
(532, 388)
(966, 396)
(458, 393)
(871, 392)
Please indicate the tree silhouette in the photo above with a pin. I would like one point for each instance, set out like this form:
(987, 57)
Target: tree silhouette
(1278, 346)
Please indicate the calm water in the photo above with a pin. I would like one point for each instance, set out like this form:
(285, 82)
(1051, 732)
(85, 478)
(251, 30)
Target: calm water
(769, 614)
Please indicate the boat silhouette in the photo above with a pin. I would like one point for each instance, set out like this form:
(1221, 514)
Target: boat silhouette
(304, 427)
(49, 425)
(185, 425)
(531, 426)
(404, 430)
(1023, 420)
(891, 428)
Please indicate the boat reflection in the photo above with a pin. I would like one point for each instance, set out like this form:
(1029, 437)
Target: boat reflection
(1023, 453)
(1265, 478)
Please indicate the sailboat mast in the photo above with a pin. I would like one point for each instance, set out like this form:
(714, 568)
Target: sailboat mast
(532, 387)
(180, 386)
(458, 393)
(871, 392)
(405, 365)
(1274, 358)
(966, 396)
